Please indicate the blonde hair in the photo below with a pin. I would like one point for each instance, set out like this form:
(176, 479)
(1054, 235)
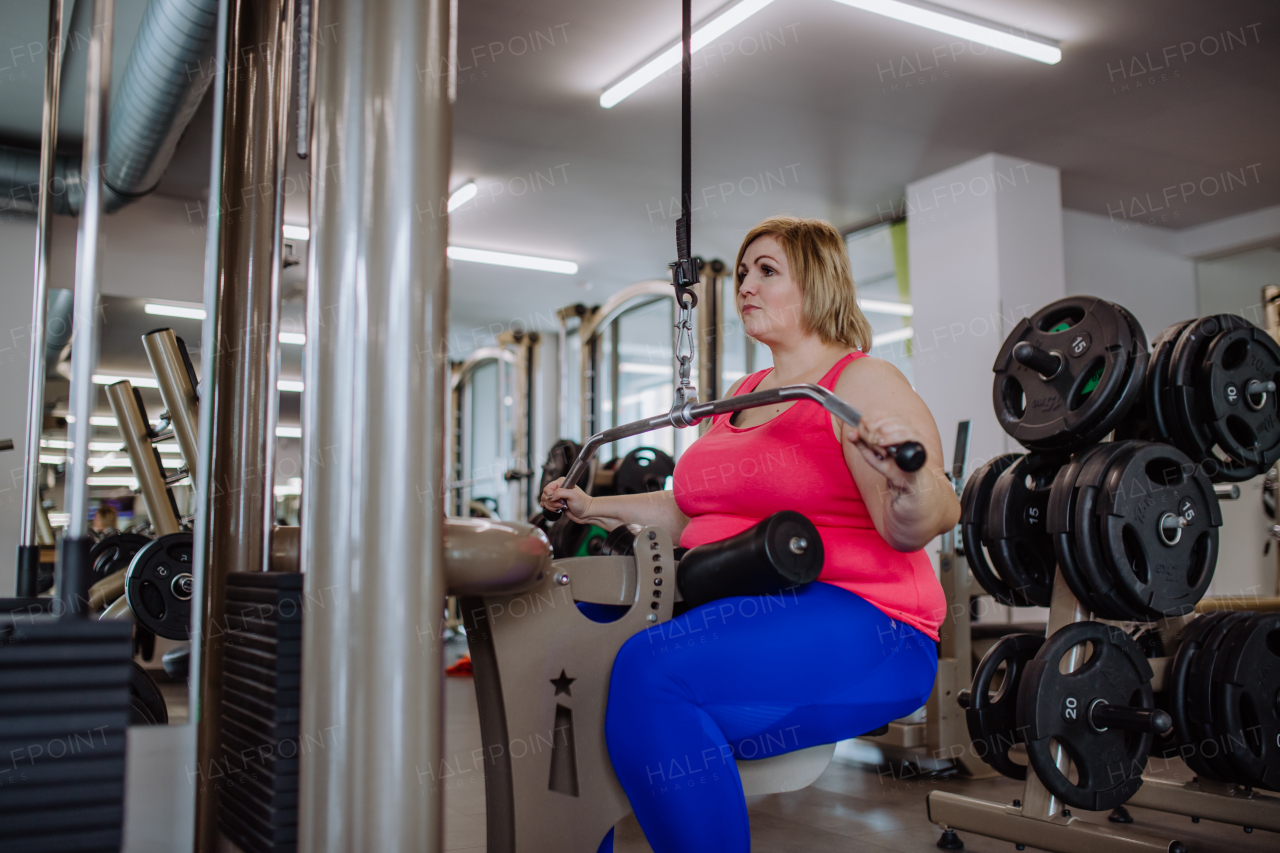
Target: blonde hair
(819, 263)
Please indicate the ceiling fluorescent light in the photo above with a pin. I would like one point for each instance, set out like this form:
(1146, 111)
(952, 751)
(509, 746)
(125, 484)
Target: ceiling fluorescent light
(46, 459)
(502, 259)
(953, 23)
(462, 195)
(288, 432)
(135, 381)
(189, 312)
(903, 334)
(296, 338)
(59, 443)
(875, 306)
(669, 58)
(296, 232)
(289, 385)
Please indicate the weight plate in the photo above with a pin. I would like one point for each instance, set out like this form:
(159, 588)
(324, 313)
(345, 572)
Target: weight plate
(1187, 414)
(621, 541)
(974, 503)
(1242, 413)
(1178, 688)
(1059, 708)
(992, 715)
(1018, 543)
(1157, 385)
(158, 586)
(1085, 573)
(1207, 743)
(1132, 391)
(559, 460)
(644, 469)
(114, 552)
(146, 704)
(1158, 522)
(1246, 695)
(1093, 344)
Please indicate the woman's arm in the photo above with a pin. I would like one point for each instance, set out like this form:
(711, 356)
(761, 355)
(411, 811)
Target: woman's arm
(908, 510)
(650, 509)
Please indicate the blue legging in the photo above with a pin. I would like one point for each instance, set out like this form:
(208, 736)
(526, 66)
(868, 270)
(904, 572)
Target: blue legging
(749, 677)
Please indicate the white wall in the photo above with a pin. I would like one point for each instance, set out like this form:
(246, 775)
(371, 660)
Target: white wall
(985, 247)
(1138, 267)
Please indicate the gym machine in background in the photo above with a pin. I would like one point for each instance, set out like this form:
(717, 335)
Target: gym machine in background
(492, 428)
(1120, 539)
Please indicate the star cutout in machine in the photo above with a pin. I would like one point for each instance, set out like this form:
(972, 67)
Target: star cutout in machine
(562, 684)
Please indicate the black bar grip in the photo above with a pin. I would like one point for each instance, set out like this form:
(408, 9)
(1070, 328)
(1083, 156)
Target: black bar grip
(910, 455)
(782, 551)
(1042, 362)
(28, 571)
(75, 569)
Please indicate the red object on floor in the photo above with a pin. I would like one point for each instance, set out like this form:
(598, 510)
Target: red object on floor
(462, 666)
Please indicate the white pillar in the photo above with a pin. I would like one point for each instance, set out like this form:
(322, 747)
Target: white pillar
(984, 241)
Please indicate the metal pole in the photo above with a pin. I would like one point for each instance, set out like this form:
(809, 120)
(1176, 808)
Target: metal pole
(146, 463)
(29, 544)
(238, 348)
(179, 395)
(372, 520)
(74, 558)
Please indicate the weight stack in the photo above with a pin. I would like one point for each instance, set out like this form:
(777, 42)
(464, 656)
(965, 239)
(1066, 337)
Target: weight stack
(258, 805)
(64, 712)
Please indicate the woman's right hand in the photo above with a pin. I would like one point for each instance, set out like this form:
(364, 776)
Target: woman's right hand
(575, 502)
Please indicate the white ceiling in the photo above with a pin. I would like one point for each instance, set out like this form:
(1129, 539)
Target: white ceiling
(816, 111)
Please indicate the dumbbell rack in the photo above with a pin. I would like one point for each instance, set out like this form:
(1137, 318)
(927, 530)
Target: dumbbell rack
(1039, 820)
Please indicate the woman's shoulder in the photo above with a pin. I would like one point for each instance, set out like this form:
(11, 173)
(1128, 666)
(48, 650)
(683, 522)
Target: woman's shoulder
(864, 371)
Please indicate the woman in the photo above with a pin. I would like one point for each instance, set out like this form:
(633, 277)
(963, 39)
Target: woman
(752, 677)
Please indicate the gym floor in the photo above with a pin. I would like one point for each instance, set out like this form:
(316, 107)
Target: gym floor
(848, 808)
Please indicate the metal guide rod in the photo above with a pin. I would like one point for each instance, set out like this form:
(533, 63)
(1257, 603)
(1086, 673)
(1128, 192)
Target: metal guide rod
(29, 544)
(74, 558)
(179, 395)
(240, 297)
(146, 464)
(1064, 609)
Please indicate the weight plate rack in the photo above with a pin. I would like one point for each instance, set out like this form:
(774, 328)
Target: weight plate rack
(64, 710)
(258, 807)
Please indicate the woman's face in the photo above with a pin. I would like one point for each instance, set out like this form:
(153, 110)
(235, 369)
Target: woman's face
(769, 299)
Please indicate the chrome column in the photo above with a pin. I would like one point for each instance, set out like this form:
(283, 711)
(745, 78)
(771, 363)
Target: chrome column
(74, 568)
(238, 389)
(29, 544)
(376, 380)
(179, 395)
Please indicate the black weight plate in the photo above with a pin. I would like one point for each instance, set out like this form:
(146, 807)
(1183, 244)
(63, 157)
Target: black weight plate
(992, 717)
(559, 458)
(621, 541)
(1158, 402)
(1246, 426)
(1188, 414)
(1246, 713)
(1158, 521)
(1058, 523)
(1096, 589)
(1094, 342)
(1132, 391)
(114, 552)
(1207, 742)
(1177, 686)
(146, 704)
(158, 586)
(974, 502)
(1018, 542)
(1056, 707)
(644, 469)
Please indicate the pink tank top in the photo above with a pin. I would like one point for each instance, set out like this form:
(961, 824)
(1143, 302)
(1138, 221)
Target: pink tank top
(733, 477)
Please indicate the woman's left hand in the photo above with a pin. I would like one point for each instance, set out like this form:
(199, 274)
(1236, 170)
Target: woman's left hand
(873, 435)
